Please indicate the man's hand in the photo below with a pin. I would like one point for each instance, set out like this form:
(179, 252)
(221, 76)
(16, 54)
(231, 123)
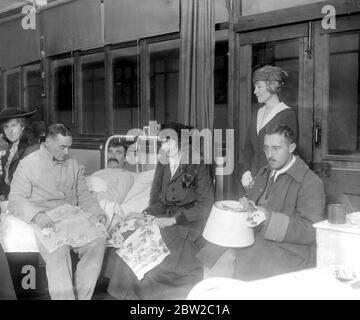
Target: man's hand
(264, 211)
(99, 218)
(257, 217)
(165, 222)
(43, 220)
(247, 180)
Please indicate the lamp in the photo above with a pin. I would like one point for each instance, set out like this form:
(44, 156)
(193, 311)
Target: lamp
(226, 227)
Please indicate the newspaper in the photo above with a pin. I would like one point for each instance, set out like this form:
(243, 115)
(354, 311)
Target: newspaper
(140, 244)
(72, 228)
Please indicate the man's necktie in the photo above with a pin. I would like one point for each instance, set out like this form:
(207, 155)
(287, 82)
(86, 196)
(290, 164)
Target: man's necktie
(269, 185)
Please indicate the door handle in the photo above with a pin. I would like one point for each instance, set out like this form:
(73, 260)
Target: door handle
(317, 135)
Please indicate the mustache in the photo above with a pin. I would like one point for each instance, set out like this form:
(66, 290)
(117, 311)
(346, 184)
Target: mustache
(113, 160)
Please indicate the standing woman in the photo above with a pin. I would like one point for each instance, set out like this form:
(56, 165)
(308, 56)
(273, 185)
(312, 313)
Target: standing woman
(268, 82)
(18, 132)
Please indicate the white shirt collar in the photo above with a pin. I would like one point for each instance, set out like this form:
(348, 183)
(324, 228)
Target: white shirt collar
(174, 163)
(261, 123)
(284, 169)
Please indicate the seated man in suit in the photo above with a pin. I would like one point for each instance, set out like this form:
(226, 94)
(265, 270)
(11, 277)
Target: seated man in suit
(291, 198)
(48, 179)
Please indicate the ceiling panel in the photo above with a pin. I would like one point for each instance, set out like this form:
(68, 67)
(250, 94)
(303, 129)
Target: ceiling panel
(6, 5)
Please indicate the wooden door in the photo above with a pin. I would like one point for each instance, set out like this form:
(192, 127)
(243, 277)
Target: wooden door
(337, 104)
(290, 48)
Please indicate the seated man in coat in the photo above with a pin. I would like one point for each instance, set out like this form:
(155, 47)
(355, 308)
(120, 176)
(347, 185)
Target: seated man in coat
(48, 179)
(291, 198)
(181, 199)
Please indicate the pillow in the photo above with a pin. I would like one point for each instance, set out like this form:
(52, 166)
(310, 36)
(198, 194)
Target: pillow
(96, 184)
(138, 203)
(143, 181)
(117, 183)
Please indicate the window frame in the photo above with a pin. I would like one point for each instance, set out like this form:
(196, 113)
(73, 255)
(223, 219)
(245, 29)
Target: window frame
(322, 85)
(95, 141)
(79, 118)
(21, 93)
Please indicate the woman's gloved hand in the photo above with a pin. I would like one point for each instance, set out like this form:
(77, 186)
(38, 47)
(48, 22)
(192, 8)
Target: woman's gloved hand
(247, 180)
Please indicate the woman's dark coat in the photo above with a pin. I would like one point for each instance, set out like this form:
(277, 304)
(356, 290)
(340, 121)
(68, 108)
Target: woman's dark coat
(27, 144)
(188, 196)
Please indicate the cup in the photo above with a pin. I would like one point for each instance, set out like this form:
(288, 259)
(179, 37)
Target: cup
(336, 213)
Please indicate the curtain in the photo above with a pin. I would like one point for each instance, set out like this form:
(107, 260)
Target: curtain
(196, 78)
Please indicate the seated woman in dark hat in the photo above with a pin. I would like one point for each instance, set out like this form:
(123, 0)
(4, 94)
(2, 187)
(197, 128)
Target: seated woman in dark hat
(18, 132)
(181, 199)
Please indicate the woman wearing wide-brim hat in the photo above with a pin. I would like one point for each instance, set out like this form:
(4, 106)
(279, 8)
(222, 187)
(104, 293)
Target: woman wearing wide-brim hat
(18, 132)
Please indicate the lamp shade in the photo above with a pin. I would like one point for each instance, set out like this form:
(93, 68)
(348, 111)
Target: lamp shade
(226, 227)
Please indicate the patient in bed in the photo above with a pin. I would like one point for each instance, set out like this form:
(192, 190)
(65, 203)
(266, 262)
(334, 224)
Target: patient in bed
(117, 156)
(118, 189)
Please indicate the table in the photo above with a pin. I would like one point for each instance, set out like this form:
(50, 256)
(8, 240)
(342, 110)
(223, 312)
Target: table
(338, 245)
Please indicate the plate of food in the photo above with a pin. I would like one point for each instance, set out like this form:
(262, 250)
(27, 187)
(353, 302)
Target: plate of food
(242, 205)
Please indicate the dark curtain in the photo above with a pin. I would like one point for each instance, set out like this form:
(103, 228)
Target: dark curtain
(196, 85)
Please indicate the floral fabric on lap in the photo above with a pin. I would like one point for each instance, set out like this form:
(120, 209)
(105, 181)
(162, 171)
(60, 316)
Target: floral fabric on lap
(140, 245)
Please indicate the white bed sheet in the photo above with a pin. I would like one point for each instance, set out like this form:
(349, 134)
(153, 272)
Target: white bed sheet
(308, 284)
(16, 235)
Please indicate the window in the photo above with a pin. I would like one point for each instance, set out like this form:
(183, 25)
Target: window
(62, 95)
(12, 85)
(33, 90)
(126, 89)
(146, 73)
(164, 80)
(344, 103)
(92, 106)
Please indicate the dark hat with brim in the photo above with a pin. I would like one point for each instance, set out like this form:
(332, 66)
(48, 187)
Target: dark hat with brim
(14, 113)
